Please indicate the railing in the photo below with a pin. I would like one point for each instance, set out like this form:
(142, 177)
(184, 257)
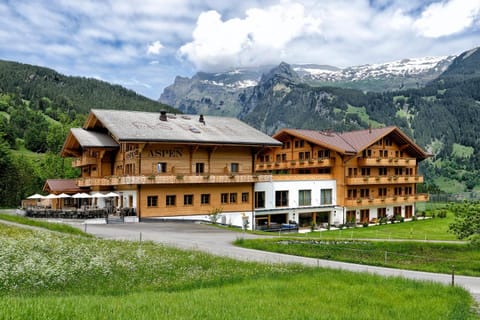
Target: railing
(172, 179)
(301, 177)
(290, 164)
(384, 162)
(383, 180)
(400, 199)
(84, 161)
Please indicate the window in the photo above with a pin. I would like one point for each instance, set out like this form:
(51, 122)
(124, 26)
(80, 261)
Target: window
(260, 199)
(326, 196)
(352, 193)
(408, 190)
(205, 198)
(188, 200)
(244, 197)
(398, 171)
(233, 197)
(281, 198)
(364, 193)
(304, 197)
(367, 153)
(382, 171)
(382, 192)
(365, 171)
(224, 198)
(307, 155)
(234, 167)
(352, 172)
(301, 156)
(199, 167)
(161, 167)
(397, 191)
(152, 201)
(381, 212)
(278, 157)
(170, 200)
(284, 157)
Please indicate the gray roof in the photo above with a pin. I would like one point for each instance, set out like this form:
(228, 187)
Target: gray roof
(146, 126)
(93, 139)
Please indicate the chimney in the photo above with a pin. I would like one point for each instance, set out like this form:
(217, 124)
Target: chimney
(163, 115)
(201, 119)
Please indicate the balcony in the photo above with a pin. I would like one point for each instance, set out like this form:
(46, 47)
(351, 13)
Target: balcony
(290, 164)
(385, 162)
(380, 201)
(84, 161)
(301, 177)
(172, 179)
(383, 180)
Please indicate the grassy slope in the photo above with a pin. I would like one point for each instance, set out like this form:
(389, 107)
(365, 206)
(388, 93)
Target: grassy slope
(50, 276)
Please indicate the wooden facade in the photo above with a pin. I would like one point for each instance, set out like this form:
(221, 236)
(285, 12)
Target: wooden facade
(177, 166)
(373, 169)
(168, 177)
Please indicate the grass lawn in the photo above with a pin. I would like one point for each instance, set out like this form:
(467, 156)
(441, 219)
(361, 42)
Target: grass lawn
(430, 257)
(352, 245)
(428, 229)
(54, 276)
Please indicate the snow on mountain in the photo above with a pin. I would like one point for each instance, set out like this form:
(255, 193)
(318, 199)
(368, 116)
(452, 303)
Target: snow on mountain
(403, 68)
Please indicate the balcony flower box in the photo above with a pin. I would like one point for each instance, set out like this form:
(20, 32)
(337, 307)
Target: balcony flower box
(359, 200)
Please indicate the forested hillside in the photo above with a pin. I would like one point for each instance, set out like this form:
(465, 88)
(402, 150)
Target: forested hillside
(37, 108)
(442, 117)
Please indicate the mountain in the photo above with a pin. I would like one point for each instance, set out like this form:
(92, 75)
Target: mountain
(441, 116)
(75, 93)
(219, 93)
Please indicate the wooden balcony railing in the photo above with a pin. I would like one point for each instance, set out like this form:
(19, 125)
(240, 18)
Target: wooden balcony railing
(84, 161)
(385, 162)
(172, 179)
(291, 164)
(383, 180)
(401, 199)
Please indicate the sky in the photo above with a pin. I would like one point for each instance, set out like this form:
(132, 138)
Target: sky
(144, 44)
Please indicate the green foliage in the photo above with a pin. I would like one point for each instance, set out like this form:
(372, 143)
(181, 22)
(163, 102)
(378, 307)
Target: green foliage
(430, 257)
(467, 219)
(52, 276)
(53, 93)
(57, 227)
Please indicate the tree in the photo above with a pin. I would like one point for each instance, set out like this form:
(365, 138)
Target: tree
(467, 221)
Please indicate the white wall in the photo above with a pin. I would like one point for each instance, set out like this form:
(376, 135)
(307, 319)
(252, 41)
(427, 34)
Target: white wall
(293, 187)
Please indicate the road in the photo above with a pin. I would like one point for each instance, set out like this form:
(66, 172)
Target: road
(219, 242)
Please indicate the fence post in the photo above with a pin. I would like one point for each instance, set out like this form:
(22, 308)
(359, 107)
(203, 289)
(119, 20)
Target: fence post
(385, 257)
(453, 275)
(85, 224)
(140, 237)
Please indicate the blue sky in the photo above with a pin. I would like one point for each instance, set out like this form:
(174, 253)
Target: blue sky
(143, 45)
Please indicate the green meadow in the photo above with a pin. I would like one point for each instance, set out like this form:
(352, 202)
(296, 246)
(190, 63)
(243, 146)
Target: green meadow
(53, 275)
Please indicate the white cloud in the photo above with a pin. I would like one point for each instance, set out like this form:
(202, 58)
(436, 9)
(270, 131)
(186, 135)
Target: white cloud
(447, 17)
(259, 38)
(154, 48)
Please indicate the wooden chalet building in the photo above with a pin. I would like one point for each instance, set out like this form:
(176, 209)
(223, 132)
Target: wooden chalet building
(165, 165)
(189, 166)
(374, 174)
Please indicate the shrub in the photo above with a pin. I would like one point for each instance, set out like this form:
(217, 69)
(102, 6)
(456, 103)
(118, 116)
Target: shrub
(365, 224)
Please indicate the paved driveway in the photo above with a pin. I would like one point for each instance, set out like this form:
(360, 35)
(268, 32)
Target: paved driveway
(218, 242)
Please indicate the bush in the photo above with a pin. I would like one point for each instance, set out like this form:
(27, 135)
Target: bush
(414, 218)
(365, 224)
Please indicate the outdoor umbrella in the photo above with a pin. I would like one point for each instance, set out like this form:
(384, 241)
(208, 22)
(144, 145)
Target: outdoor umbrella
(36, 196)
(112, 195)
(81, 195)
(97, 195)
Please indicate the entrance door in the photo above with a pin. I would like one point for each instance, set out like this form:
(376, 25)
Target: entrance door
(364, 215)
(408, 211)
(351, 218)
